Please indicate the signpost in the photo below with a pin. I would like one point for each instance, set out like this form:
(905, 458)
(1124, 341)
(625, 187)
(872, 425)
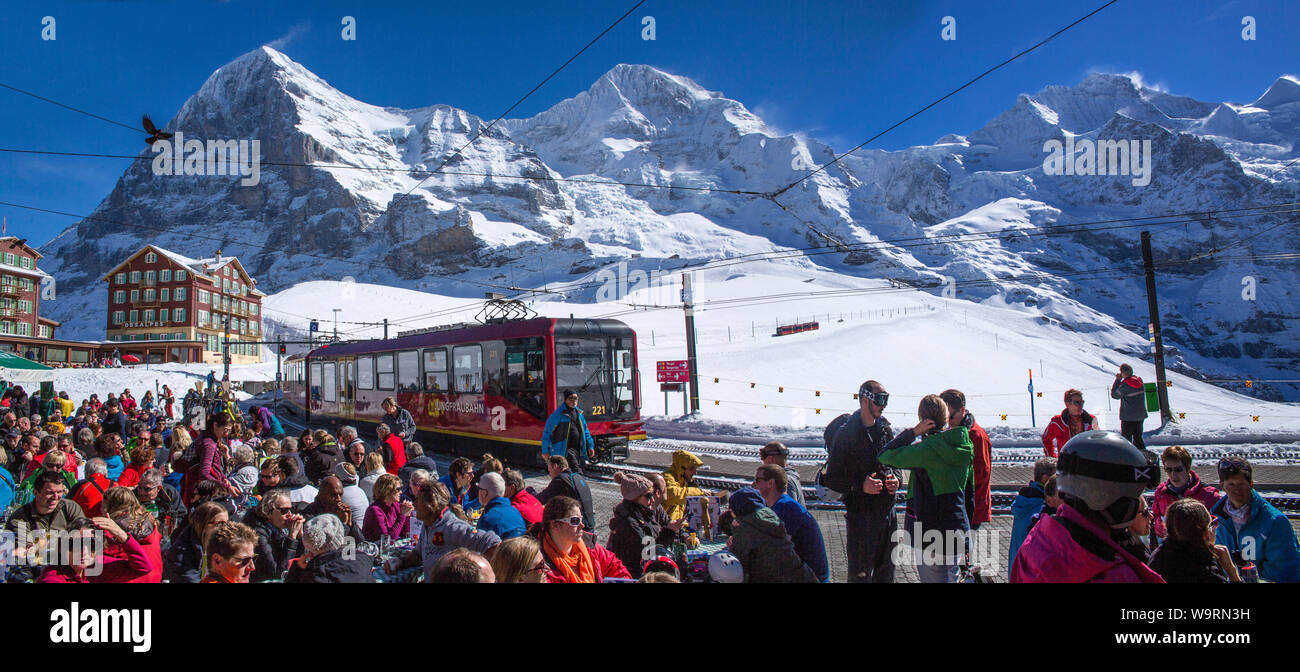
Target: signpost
(673, 375)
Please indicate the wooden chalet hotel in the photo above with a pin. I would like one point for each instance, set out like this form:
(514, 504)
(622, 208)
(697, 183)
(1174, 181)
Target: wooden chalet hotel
(166, 307)
(22, 330)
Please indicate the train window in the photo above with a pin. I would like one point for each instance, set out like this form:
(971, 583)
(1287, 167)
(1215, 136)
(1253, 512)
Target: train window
(624, 382)
(408, 371)
(328, 382)
(468, 368)
(525, 382)
(435, 370)
(384, 371)
(315, 381)
(366, 373)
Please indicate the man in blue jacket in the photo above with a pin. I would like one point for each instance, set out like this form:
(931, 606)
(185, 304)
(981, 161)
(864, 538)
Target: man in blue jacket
(566, 434)
(770, 481)
(499, 516)
(1252, 528)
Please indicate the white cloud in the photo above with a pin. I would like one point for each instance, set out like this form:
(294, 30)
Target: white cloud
(283, 41)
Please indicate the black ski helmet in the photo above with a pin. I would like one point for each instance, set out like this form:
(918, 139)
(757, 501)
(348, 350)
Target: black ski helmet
(1107, 473)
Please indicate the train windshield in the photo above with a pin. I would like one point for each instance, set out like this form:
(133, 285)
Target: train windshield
(601, 371)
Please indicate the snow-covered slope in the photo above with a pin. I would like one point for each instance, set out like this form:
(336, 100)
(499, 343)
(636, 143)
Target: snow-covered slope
(343, 192)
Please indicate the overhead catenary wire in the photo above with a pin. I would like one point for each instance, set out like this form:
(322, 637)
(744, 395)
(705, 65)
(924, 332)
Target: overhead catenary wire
(999, 66)
(406, 170)
(531, 91)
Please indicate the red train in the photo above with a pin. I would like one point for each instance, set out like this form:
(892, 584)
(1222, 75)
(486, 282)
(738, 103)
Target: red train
(481, 388)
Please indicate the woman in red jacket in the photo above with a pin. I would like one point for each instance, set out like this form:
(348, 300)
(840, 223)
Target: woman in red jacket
(141, 461)
(83, 568)
(1072, 421)
(209, 463)
(571, 554)
(121, 505)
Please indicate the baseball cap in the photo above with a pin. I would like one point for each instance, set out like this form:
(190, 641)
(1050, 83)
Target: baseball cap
(774, 448)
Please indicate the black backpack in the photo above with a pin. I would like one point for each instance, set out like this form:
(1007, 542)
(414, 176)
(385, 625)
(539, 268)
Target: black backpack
(824, 480)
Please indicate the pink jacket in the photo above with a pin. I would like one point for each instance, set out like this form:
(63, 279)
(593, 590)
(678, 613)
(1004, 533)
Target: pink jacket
(1205, 494)
(115, 570)
(1050, 555)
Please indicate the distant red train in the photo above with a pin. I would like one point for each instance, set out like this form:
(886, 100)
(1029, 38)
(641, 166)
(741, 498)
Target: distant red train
(481, 388)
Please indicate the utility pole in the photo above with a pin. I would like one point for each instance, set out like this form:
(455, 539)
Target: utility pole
(385, 328)
(225, 346)
(1154, 310)
(692, 372)
(336, 324)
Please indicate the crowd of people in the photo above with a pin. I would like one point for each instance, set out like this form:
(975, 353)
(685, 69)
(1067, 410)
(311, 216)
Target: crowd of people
(213, 495)
(1084, 517)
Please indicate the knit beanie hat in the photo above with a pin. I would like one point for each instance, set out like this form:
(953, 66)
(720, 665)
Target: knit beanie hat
(632, 485)
(745, 501)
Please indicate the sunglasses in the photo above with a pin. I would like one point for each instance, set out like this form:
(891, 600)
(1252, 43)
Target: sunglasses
(575, 521)
(284, 509)
(243, 562)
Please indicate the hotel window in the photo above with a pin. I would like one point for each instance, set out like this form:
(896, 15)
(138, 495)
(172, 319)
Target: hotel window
(9, 259)
(118, 317)
(150, 257)
(203, 318)
(252, 326)
(165, 275)
(252, 309)
(25, 283)
(162, 315)
(24, 329)
(121, 278)
(24, 306)
(119, 296)
(135, 277)
(150, 295)
(6, 327)
(203, 296)
(150, 278)
(178, 336)
(165, 294)
(180, 275)
(180, 294)
(135, 316)
(148, 316)
(178, 315)
(135, 295)
(25, 262)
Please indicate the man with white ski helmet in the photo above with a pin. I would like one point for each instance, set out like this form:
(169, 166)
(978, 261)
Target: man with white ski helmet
(1101, 477)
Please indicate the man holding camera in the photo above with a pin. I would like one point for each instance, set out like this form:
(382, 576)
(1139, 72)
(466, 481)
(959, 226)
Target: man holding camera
(868, 487)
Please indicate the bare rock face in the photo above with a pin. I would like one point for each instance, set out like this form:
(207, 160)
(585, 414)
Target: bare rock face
(432, 197)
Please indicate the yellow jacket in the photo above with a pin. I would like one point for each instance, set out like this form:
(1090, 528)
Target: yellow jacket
(67, 408)
(678, 488)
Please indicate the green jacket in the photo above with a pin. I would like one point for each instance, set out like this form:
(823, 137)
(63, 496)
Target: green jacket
(765, 551)
(945, 457)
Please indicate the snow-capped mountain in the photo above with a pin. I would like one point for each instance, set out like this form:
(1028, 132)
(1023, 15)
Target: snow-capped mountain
(525, 206)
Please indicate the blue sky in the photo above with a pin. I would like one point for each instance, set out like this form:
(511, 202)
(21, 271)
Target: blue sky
(837, 70)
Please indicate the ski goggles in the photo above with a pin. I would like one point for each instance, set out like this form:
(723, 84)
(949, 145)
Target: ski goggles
(880, 399)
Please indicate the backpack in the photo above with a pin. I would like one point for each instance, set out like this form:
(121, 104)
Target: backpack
(829, 486)
(584, 497)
